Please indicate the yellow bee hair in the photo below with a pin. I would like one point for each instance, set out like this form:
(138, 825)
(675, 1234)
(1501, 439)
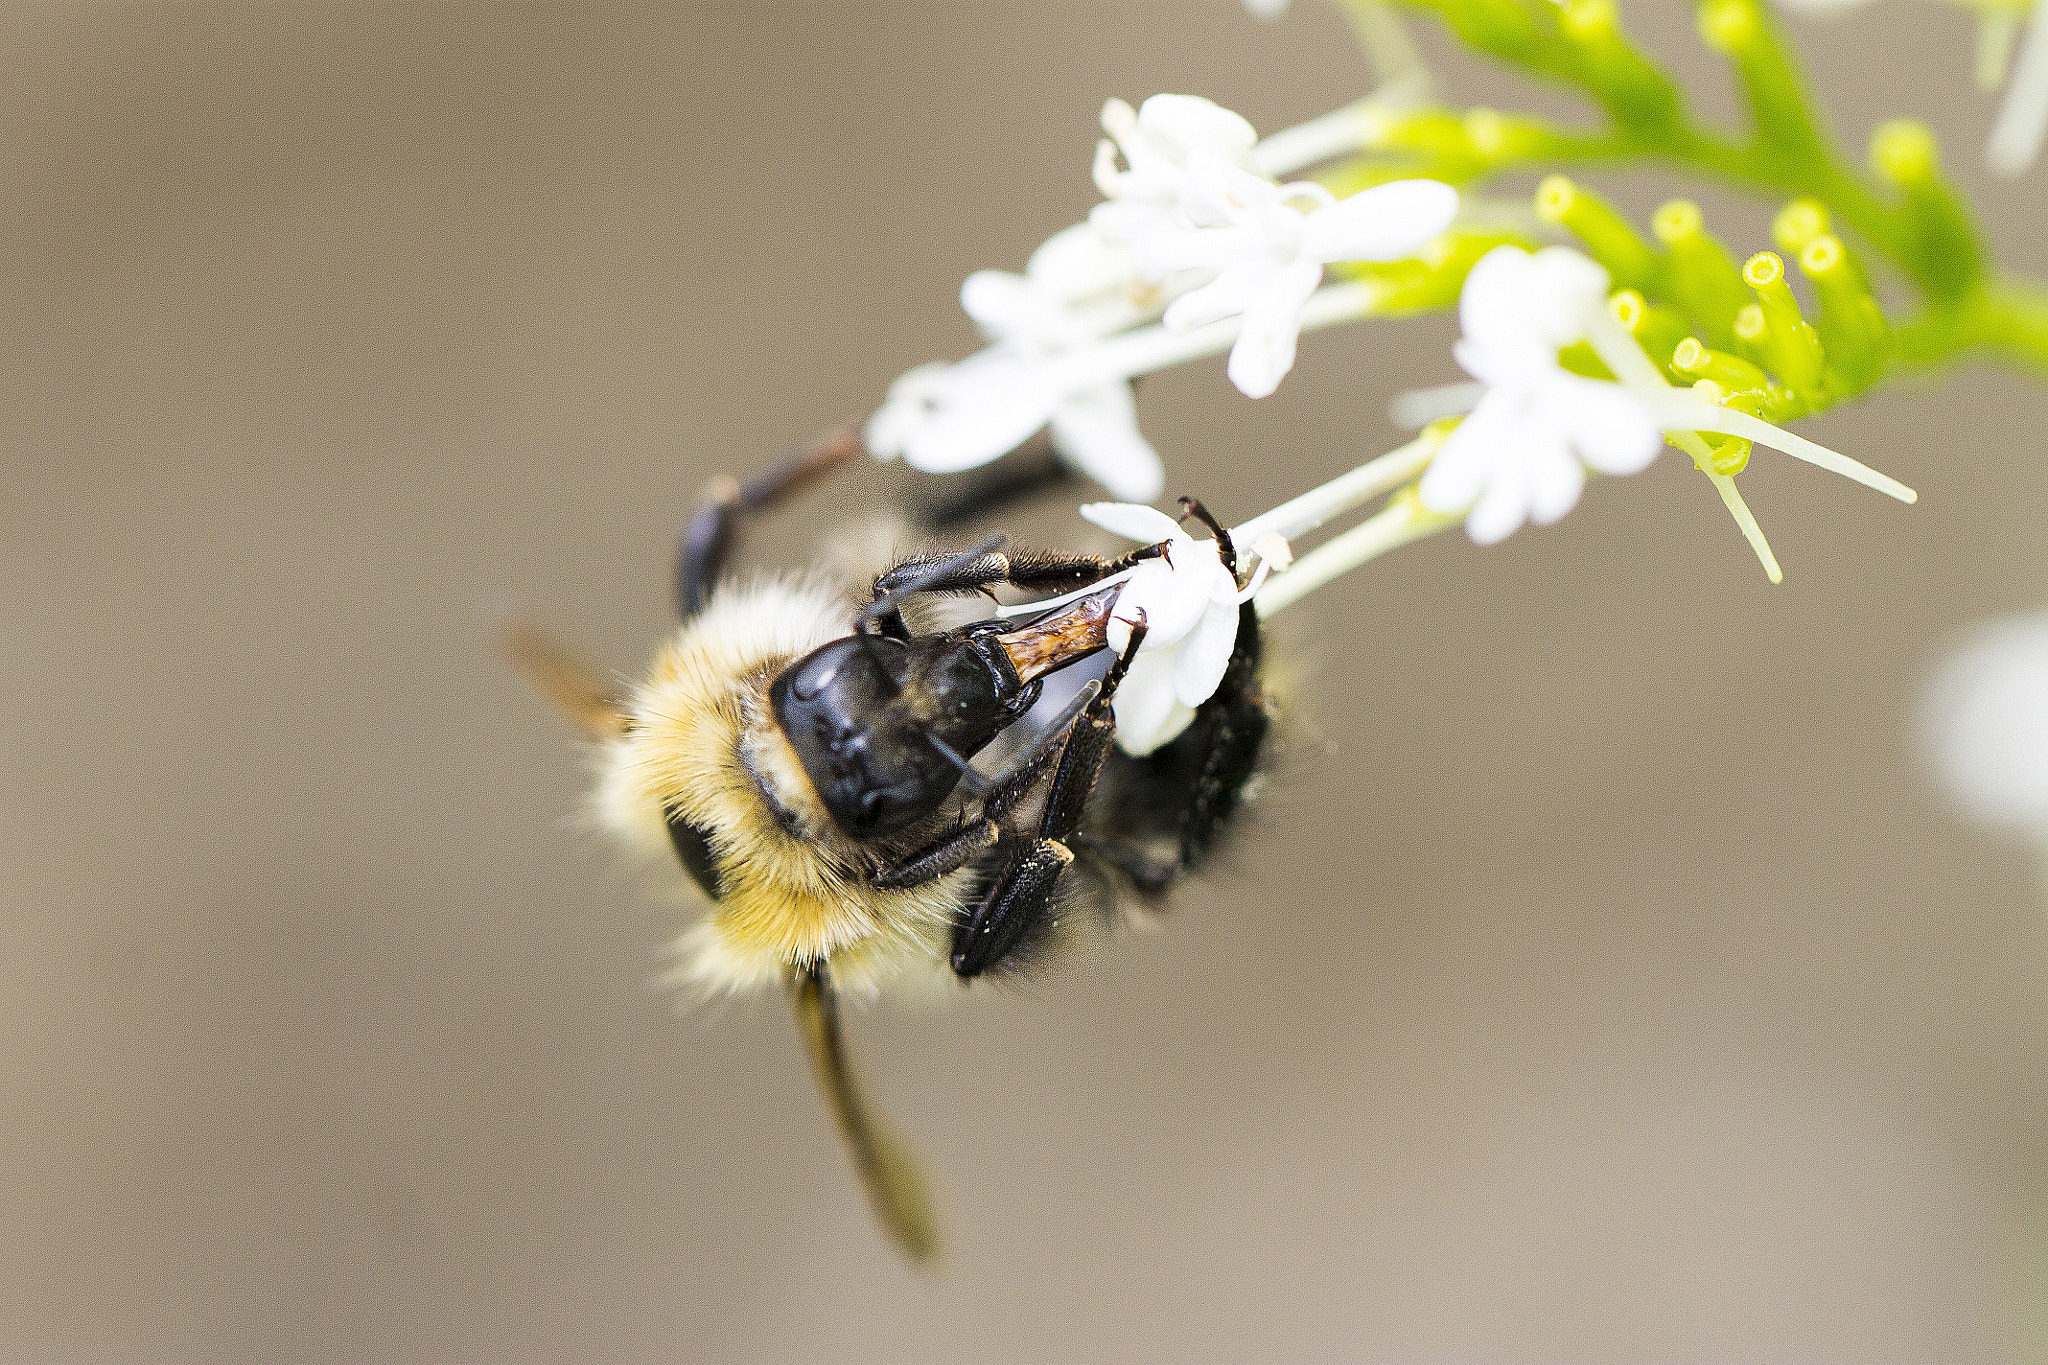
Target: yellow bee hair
(699, 742)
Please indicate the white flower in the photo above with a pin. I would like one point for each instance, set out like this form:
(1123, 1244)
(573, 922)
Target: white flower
(1188, 203)
(1188, 602)
(1265, 9)
(1522, 453)
(1986, 722)
(1268, 254)
(1156, 140)
(1535, 427)
(946, 418)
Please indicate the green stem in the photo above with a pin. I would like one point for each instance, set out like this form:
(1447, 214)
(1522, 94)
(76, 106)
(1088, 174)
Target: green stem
(2008, 318)
(1758, 165)
(2017, 311)
(2001, 314)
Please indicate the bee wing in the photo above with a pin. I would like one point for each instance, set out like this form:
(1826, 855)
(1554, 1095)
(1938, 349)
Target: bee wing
(565, 680)
(888, 1172)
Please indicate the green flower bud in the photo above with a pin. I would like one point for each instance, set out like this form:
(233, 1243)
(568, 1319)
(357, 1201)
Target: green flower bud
(1905, 153)
(1798, 223)
(1852, 324)
(1701, 275)
(1607, 236)
(1656, 330)
(1744, 32)
(1792, 345)
(1695, 361)
(1632, 88)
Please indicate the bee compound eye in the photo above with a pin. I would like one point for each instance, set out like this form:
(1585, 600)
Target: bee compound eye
(693, 847)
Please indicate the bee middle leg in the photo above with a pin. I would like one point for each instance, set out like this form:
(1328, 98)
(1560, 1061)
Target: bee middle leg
(1023, 893)
(713, 528)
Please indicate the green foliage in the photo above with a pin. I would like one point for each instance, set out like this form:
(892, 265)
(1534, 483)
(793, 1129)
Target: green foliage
(1742, 328)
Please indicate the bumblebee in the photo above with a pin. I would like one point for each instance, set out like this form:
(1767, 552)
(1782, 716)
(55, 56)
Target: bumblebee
(808, 756)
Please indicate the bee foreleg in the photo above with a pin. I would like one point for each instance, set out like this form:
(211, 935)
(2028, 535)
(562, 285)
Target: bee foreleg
(947, 855)
(1032, 570)
(1023, 894)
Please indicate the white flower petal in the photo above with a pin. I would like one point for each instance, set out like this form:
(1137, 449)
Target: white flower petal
(1096, 431)
(1384, 223)
(1171, 605)
(1502, 508)
(1001, 304)
(991, 404)
(1239, 287)
(1215, 191)
(1556, 478)
(1147, 713)
(1076, 263)
(1203, 656)
(903, 410)
(1146, 525)
(1466, 461)
(1563, 281)
(1264, 352)
(1167, 249)
(1490, 310)
(1612, 429)
(1183, 123)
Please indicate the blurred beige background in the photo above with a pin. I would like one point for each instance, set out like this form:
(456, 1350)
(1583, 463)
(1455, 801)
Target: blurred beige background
(1601, 978)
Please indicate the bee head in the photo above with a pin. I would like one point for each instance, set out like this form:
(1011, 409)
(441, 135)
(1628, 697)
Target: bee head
(884, 726)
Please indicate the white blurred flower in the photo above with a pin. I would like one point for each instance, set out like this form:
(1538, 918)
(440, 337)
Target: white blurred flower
(1985, 720)
(1265, 9)
(1189, 603)
(2022, 122)
(1523, 451)
(2023, 118)
(1188, 203)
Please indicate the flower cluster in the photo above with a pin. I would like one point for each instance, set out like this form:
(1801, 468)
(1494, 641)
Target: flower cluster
(1586, 358)
(1187, 208)
(1196, 249)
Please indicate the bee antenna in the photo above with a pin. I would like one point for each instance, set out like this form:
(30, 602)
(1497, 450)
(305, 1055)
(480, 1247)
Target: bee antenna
(975, 783)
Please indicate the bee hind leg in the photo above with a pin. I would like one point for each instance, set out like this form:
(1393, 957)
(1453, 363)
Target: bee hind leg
(888, 1173)
(1197, 779)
